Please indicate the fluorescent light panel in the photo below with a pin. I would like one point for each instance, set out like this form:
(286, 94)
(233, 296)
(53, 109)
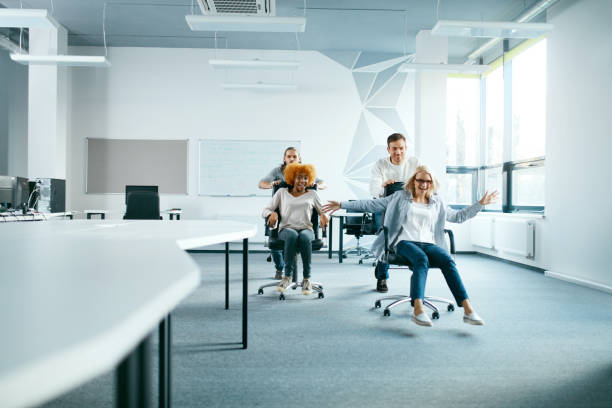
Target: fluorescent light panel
(30, 18)
(493, 29)
(451, 68)
(254, 64)
(246, 23)
(62, 60)
(259, 85)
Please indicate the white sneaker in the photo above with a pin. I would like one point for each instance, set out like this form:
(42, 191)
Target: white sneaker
(283, 284)
(473, 318)
(306, 288)
(421, 320)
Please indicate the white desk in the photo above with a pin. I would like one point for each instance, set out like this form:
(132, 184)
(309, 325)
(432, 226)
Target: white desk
(77, 297)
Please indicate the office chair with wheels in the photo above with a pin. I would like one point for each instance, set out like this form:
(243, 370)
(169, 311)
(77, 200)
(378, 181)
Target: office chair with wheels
(274, 242)
(142, 205)
(358, 226)
(392, 258)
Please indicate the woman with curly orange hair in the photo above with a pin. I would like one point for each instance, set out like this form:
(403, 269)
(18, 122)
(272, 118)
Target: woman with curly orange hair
(295, 205)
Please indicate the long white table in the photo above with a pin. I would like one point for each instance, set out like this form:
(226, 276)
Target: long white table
(77, 298)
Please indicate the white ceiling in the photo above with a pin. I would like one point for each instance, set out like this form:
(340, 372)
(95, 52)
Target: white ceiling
(387, 26)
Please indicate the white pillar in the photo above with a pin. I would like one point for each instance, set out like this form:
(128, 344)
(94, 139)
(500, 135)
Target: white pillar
(47, 113)
(430, 103)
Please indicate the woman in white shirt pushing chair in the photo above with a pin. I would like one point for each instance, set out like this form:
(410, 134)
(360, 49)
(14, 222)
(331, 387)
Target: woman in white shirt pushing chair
(415, 219)
(295, 205)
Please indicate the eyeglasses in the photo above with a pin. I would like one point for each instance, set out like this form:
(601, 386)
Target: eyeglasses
(423, 181)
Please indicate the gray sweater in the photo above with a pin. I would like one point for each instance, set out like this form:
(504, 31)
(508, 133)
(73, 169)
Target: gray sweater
(397, 206)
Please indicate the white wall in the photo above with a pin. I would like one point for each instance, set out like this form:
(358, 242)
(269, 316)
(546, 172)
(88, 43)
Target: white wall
(13, 116)
(579, 140)
(154, 93)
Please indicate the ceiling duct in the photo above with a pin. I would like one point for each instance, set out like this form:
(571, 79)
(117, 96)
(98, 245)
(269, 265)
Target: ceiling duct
(238, 7)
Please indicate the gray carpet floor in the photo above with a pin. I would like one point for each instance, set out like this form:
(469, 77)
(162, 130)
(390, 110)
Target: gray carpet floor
(546, 343)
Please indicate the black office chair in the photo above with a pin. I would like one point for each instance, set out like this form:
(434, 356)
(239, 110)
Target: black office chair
(392, 258)
(358, 226)
(274, 242)
(142, 205)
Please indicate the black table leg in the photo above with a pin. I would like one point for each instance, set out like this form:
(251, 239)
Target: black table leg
(329, 236)
(340, 239)
(227, 275)
(165, 362)
(134, 378)
(245, 287)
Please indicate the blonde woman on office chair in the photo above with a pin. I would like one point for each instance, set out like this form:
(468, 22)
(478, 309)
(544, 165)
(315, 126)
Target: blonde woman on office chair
(415, 219)
(296, 204)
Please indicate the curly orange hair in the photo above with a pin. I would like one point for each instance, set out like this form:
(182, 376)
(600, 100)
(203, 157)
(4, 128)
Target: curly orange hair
(292, 170)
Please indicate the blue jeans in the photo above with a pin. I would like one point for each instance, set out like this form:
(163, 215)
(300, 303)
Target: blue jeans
(277, 257)
(297, 241)
(423, 256)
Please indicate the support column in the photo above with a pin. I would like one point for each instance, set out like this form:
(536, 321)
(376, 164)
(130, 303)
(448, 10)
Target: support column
(430, 103)
(47, 106)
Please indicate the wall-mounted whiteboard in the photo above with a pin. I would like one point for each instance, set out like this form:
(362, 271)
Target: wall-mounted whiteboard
(114, 163)
(235, 167)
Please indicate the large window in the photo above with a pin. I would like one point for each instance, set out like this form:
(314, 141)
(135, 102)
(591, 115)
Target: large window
(503, 149)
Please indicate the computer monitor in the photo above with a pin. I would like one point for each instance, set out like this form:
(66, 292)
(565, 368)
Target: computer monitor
(129, 189)
(21, 192)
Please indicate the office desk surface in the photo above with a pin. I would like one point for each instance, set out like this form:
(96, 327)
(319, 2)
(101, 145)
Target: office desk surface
(77, 296)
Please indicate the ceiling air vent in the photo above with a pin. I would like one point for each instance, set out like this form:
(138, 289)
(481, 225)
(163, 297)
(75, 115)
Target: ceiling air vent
(238, 7)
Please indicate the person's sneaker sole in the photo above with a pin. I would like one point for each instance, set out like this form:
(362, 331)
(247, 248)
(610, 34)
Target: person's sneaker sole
(421, 323)
(472, 321)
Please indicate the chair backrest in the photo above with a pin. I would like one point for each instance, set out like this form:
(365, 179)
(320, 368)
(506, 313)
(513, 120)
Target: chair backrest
(142, 205)
(392, 188)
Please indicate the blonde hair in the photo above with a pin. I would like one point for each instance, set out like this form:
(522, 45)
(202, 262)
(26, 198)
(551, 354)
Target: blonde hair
(433, 186)
(293, 169)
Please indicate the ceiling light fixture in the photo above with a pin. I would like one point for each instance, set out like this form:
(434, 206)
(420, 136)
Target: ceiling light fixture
(246, 23)
(450, 68)
(261, 85)
(490, 29)
(26, 18)
(61, 60)
(254, 64)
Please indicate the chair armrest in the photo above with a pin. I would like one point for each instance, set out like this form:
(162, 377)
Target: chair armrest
(451, 238)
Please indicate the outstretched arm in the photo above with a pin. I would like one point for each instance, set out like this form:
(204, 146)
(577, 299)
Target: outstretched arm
(464, 214)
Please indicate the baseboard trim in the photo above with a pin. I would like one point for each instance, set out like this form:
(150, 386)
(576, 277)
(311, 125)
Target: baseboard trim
(579, 281)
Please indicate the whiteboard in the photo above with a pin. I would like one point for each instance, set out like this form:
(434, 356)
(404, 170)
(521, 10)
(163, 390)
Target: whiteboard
(235, 167)
(114, 163)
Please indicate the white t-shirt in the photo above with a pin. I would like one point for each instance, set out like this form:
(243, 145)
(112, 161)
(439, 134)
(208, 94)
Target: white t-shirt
(295, 212)
(419, 224)
(384, 170)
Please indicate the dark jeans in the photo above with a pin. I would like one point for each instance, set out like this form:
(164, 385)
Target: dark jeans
(277, 257)
(423, 256)
(297, 241)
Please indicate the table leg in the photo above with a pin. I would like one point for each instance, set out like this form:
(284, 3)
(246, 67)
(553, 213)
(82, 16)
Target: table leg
(89, 216)
(340, 239)
(227, 275)
(245, 287)
(165, 362)
(329, 237)
(178, 217)
(103, 215)
(134, 378)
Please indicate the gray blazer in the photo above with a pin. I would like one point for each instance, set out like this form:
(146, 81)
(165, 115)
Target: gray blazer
(396, 207)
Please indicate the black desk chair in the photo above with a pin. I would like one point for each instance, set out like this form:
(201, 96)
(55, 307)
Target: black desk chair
(274, 242)
(358, 226)
(392, 258)
(142, 205)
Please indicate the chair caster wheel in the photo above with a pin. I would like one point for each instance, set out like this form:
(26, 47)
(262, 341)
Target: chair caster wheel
(450, 308)
(373, 263)
(435, 315)
(321, 295)
(269, 259)
(343, 256)
(260, 292)
(360, 262)
(281, 297)
(387, 312)
(377, 304)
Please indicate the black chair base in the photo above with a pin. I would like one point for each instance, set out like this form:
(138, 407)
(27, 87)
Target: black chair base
(400, 299)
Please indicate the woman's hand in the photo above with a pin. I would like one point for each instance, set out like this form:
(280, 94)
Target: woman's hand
(489, 198)
(272, 219)
(332, 206)
(323, 220)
